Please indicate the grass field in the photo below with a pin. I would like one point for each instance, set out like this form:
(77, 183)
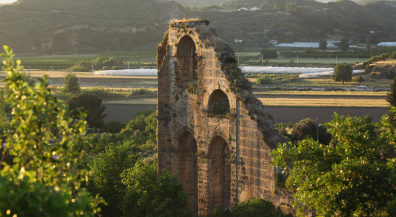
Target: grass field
(284, 101)
(318, 61)
(323, 102)
(323, 93)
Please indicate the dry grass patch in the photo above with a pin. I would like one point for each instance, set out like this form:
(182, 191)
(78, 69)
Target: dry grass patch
(139, 101)
(323, 102)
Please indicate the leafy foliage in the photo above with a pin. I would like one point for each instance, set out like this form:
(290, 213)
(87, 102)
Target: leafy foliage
(269, 54)
(309, 128)
(114, 126)
(323, 44)
(106, 169)
(98, 64)
(258, 207)
(147, 195)
(92, 105)
(350, 176)
(344, 44)
(45, 176)
(359, 79)
(72, 84)
(254, 207)
(142, 128)
(264, 80)
(343, 72)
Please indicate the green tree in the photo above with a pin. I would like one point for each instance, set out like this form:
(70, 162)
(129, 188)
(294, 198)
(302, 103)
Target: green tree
(149, 195)
(258, 207)
(359, 79)
(45, 176)
(343, 72)
(344, 44)
(106, 181)
(269, 54)
(92, 104)
(72, 84)
(3, 113)
(264, 80)
(391, 96)
(350, 177)
(309, 128)
(142, 128)
(323, 44)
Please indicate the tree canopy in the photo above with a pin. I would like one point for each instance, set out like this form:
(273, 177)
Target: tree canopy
(45, 176)
(323, 44)
(343, 72)
(353, 176)
(72, 84)
(344, 44)
(92, 104)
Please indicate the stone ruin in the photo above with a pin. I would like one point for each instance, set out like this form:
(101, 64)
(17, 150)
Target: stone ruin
(212, 132)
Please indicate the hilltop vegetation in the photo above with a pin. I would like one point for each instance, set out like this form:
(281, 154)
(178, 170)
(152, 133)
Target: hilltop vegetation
(94, 26)
(47, 26)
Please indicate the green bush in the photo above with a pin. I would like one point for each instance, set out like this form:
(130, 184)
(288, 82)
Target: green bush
(98, 64)
(91, 104)
(359, 79)
(72, 84)
(258, 207)
(142, 91)
(114, 126)
(269, 54)
(264, 80)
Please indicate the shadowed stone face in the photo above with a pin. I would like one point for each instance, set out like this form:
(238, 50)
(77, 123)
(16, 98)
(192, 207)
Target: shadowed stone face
(212, 132)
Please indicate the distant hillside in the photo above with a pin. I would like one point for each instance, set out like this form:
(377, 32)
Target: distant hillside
(198, 2)
(302, 20)
(48, 26)
(91, 26)
(357, 1)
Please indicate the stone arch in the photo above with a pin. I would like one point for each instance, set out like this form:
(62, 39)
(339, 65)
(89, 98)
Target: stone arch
(218, 103)
(187, 167)
(186, 55)
(219, 174)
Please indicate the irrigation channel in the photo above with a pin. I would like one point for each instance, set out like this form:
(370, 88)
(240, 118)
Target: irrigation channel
(281, 114)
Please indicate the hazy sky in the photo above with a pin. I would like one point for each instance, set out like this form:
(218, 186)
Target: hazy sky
(7, 1)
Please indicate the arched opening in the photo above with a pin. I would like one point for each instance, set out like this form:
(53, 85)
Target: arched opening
(187, 167)
(219, 174)
(187, 62)
(218, 103)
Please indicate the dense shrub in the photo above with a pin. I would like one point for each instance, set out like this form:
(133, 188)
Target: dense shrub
(98, 64)
(269, 54)
(114, 126)
(264, 80)
(92, 104)
(359, 79)
(309, 128)
(72, 84)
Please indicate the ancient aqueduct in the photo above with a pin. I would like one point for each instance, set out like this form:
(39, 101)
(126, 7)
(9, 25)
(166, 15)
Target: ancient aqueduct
(212, 132)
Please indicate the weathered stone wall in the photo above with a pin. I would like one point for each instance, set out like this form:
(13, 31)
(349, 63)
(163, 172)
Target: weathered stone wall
(212, 131)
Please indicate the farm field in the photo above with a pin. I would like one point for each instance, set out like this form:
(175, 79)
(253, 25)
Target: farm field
(298, 99)
(318, 61)
(281, 114)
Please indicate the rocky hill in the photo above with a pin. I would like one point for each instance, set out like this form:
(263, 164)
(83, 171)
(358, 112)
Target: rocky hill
(91, 26)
